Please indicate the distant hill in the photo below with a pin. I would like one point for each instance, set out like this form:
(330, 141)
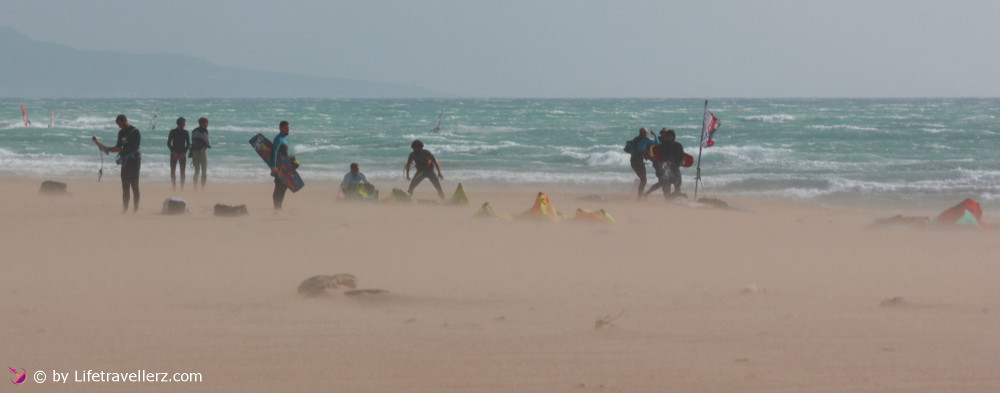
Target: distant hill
(34, 69)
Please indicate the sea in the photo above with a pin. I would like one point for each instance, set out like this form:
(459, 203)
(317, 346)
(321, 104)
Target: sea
(924, 154)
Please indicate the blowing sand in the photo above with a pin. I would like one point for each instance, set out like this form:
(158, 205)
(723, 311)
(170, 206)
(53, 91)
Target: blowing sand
(781, 298)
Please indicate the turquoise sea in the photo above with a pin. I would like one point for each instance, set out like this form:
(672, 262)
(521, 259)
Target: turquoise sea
(921, 153)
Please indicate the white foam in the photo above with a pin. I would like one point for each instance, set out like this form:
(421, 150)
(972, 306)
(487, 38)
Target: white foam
(472, 149)
(243, 129)
(751, 152)
(842, 127)
(302, 148)
(777, 118)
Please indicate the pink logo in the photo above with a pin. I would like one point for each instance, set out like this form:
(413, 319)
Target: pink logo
(20, 378)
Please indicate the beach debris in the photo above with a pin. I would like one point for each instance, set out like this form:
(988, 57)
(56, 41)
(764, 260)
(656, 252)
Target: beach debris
(894, 302)
(899, 222)
(485, 211)
(460, 197)
(967, 214)
(174, 206)
(50, 187)
(593, 216)
(542, 210)
(399, 195)
(317, 285)
(607, 321)
(714, 202)
(752, 289)
(230, 211)
(366, 292)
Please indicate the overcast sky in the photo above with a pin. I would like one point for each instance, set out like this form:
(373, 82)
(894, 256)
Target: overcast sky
(543, 48)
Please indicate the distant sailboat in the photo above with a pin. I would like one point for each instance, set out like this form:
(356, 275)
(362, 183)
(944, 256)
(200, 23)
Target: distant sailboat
(52, 118)
(437, 127)
(24, 116)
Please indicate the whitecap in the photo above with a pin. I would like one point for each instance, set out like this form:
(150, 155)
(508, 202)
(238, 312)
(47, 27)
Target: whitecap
(777, 118)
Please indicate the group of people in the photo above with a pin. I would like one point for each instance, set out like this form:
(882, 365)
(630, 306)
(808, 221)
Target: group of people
(194, 146)
(423, 160)
(666, 164)
(182, 146)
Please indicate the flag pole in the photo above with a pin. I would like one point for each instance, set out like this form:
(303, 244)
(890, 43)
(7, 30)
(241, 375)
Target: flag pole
(701, 145)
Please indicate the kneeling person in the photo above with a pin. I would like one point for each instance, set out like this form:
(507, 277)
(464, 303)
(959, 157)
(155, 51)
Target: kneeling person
(354, 182)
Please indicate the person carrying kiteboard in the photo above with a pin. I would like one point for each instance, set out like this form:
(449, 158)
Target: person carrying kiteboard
(279, 145)
(129, 158)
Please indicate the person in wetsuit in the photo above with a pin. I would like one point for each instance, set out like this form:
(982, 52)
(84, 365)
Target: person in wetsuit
(673, 155)
(425, 163)
(178, 142)
(198, 153)
(641, 144)
(279, 145)
(661, 168)
(129, 158)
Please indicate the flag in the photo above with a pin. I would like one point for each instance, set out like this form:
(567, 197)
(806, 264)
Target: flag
(709, 125)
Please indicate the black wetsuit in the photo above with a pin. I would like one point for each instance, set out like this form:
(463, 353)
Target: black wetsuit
(638, 164)
(424, 161)
(279, 185)
(131, 160)
(673, 153)
(178, 142)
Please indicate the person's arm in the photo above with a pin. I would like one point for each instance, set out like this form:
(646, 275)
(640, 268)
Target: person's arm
(344, 183)
(436, 165)
(170, 142)
(408, 162)
(117, 147)
(187, 142)
(104, 149)
(276, 147)
(364, 179)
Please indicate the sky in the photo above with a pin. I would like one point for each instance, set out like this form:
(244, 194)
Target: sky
(562, 48)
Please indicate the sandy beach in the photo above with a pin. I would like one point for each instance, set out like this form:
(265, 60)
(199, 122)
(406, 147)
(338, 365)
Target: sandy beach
(775, 298)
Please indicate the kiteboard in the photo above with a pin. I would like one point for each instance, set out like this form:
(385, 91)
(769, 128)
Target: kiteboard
(286, 171)
(654, 154)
